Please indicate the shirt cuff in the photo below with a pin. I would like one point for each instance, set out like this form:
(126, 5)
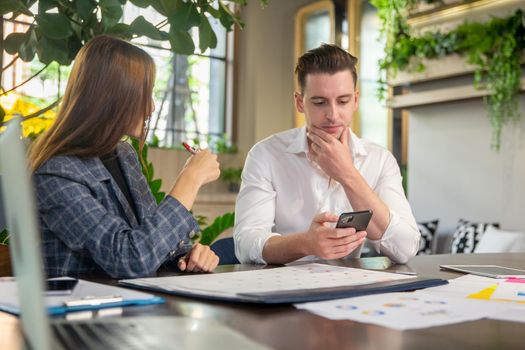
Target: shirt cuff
(185, 244)
(256, 251)
(389, 232)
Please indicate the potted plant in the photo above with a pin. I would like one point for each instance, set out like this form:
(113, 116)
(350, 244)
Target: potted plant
(5, 260)
(233, 177)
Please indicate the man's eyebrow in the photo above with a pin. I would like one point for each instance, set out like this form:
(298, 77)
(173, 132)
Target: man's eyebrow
(324, 98)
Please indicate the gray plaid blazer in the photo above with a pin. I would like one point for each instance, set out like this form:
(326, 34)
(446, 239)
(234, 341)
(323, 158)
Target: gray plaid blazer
(89, 227)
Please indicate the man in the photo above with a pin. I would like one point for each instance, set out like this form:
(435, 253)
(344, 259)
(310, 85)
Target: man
(296, 183)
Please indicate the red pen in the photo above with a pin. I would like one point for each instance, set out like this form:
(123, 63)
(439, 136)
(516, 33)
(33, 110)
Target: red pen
(190, 149)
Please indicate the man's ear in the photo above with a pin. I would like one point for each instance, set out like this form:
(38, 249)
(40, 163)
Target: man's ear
(356, 104)
(298, 102)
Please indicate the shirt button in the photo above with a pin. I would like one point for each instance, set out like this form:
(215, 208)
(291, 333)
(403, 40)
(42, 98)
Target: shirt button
(181, 244)
(173, 253)
(193, 233)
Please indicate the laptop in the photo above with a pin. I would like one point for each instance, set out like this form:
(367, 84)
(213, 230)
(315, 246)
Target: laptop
(42, 332)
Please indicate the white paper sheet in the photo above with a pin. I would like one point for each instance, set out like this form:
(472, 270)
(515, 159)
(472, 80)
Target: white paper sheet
(482, 288)
(300, 277)
(404, 311)
(9, 294)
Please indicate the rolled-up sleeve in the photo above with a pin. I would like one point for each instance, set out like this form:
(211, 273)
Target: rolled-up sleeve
(254, 209)
(400, 241)
(83, 224)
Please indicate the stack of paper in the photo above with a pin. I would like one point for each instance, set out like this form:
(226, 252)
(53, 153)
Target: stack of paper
(83, 291)
(465, 298)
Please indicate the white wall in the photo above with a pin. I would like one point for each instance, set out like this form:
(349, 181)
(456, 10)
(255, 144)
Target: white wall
(266, 64)
(453, 173)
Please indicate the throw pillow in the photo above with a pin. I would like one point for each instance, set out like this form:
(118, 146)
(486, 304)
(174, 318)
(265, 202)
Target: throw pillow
(498, 241)
(428, 231)
(468, 234)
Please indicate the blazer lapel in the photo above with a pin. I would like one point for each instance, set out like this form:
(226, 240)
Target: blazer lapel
(102, 174)
(145, 204)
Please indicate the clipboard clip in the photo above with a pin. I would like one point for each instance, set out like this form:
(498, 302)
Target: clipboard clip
(93, 300)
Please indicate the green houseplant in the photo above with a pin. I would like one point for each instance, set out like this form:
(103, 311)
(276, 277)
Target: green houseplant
(208, 232)
(233, 177)
(495, 49)
(5, 263)
(59, 29)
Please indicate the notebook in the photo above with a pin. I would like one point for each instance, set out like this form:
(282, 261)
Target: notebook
(43, 333)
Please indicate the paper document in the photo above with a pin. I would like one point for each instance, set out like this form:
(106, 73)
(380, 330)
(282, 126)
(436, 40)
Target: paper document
(509, 292)
(84, 290)
(483, 288)
(403, 311)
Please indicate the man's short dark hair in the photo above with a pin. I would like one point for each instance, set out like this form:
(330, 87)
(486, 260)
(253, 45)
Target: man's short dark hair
(325, 59)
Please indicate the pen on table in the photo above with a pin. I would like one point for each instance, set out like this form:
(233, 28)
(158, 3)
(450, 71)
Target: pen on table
(190, 149)
(93, 300)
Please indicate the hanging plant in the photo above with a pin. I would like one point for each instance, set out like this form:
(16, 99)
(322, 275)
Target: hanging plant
(495, 49)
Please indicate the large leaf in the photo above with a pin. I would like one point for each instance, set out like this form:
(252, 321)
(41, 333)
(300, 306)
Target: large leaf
(157, 5)
(54, 25)
(181, 42)
(172, 6)
(111, 12)
(50, 50)
(13, 41)
(7, 6)
(120, 29)
(207, 37)
(44, 5)
(185, 17)
(226, 17)
(2, 114)
(85, 8)
(142, 27)
(140, 3)
(219, 225)
(155, 185)
(27, 49)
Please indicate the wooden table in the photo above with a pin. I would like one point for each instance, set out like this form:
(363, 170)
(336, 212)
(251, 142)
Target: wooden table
(284, 327)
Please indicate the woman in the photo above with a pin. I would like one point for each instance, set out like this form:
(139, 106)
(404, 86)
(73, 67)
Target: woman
(96, 210)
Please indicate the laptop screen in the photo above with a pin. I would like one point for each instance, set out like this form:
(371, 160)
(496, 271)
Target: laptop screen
(21, 221)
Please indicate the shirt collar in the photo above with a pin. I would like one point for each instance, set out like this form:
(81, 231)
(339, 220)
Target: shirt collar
(299, 144)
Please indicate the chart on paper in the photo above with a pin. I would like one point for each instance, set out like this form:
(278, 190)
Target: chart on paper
(403, 311)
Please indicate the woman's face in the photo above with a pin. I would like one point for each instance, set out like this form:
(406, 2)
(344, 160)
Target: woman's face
(137, 130)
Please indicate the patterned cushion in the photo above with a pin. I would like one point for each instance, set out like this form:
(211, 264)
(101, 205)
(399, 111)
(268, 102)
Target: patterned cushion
(468, 234)
(428, 231)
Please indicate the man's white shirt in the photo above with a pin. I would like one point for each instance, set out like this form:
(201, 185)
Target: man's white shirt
(282, 191)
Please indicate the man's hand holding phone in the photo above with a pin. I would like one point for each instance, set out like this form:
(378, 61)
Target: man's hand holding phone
(328, 242)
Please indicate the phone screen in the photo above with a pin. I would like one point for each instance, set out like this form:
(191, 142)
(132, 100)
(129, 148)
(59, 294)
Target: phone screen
(356, 219)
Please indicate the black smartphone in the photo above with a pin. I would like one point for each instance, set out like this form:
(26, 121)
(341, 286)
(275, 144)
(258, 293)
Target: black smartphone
(60, 287)
(356, 219)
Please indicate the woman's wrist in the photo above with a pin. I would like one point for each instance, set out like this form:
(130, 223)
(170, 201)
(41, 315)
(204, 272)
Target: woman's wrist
(186, 188)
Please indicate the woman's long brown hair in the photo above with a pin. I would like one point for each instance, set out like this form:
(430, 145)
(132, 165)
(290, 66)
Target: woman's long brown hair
(108, 93)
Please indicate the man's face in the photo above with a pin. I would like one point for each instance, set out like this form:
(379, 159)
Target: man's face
(329, 101)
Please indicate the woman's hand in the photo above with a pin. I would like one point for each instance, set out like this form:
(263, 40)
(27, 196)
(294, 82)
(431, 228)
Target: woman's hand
(204, 166)
(200, 169)
(199, 259)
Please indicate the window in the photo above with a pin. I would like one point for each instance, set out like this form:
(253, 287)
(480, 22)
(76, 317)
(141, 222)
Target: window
(373, 121)
(192, 94)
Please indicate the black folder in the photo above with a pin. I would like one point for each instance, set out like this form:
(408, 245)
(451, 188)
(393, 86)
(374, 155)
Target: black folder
(307, 295)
